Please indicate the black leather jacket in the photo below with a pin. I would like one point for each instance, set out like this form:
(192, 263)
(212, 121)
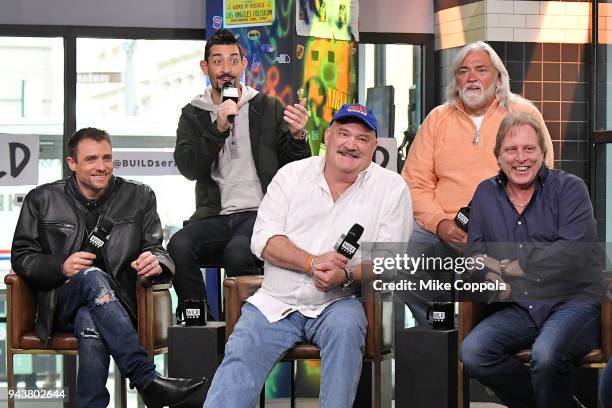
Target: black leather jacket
(51, 227)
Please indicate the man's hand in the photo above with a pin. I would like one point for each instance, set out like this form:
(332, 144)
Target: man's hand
(147, 265)
(493, 277)
(450, 233)
(225, 109)
(296, 116)
(333, 257)
(489, 262)
(327, 275)
(513, 270)
(76, 262)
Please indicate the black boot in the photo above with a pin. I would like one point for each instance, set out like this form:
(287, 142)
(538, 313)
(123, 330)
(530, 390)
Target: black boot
(165, 391)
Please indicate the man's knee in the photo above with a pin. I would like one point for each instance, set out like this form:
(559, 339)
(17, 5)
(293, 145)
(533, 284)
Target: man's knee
(97, 282)
(238, 258)
(105, 296)
(352, 332)
(548, 361)
(180, 244)
(471, 354)
(352, 325)
(93, 278)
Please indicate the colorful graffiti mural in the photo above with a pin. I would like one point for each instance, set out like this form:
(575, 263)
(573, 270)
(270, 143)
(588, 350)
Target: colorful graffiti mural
(329, 79)
(281, 63)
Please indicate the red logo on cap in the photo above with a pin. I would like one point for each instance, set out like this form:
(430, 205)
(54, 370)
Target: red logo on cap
(358, 109)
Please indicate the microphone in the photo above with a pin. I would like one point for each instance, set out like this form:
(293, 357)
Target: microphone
(229, 92)
(100, 234)
(462, 219)
(347, 244)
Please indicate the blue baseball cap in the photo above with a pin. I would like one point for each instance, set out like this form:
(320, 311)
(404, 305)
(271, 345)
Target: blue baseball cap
(357, 111)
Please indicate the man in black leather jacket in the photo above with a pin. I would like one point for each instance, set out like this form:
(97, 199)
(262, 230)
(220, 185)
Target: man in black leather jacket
(232, 149)
(90, 290)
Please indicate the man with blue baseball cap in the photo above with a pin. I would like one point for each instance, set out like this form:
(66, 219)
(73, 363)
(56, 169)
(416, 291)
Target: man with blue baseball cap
(356, 111)
(308, 291)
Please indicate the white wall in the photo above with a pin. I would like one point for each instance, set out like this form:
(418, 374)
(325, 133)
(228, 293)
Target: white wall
(113, 13)
(396, 16)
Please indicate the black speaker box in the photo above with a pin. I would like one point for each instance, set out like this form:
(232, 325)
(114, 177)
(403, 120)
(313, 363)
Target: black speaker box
(195, 352)
(426, 368)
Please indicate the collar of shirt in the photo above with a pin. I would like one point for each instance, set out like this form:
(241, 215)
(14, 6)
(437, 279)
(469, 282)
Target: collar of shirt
(317, 175)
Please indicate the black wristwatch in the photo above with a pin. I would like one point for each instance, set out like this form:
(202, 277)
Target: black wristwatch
(349, 278)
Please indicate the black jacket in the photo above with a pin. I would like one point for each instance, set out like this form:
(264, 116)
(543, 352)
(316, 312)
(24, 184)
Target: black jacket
(198, 143)
(51, 227)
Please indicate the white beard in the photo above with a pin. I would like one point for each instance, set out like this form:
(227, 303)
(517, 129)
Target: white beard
(475, 100)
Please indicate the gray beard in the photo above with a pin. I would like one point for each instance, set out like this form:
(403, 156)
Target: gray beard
(477, 101)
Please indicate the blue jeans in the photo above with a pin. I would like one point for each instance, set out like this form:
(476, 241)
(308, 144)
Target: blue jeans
(87, 304)
(605, 387)
(256, 345)
(570, 332)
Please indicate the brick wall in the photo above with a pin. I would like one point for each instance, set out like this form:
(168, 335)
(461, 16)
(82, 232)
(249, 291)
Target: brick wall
(544, 46)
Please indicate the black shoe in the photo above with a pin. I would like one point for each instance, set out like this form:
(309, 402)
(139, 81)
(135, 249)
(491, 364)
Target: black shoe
(165, 391)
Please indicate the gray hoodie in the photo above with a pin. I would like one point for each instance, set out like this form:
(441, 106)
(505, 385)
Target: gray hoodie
(234, 170)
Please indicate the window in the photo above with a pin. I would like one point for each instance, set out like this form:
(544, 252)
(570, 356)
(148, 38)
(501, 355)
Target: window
(31, 103)
(135, 89)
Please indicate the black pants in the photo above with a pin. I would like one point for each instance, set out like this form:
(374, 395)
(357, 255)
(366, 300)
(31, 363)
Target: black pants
(220, 240)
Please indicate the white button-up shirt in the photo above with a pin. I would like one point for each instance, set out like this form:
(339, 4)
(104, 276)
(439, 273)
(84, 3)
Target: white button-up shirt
(298, 204)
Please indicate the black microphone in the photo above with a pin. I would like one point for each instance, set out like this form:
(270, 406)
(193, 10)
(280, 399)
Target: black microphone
(100, 234)
(229, 92)
(347, 244)
(462, 219)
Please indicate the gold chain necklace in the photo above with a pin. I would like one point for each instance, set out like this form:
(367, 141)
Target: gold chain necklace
(519, 205)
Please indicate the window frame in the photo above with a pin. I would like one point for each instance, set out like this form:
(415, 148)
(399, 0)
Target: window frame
(70, 35)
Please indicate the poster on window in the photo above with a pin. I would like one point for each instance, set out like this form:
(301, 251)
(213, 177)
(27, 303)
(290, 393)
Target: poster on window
(18, 160)
(246, 13)
(336, 19)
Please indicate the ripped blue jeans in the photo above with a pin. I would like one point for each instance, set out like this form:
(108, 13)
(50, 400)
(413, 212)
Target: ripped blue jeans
(87, 305)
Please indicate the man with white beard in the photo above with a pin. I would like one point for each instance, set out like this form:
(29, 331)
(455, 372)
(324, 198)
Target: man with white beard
(453, 149)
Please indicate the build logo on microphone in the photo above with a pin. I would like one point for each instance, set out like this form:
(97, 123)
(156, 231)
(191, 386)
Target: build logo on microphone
(347, 247)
